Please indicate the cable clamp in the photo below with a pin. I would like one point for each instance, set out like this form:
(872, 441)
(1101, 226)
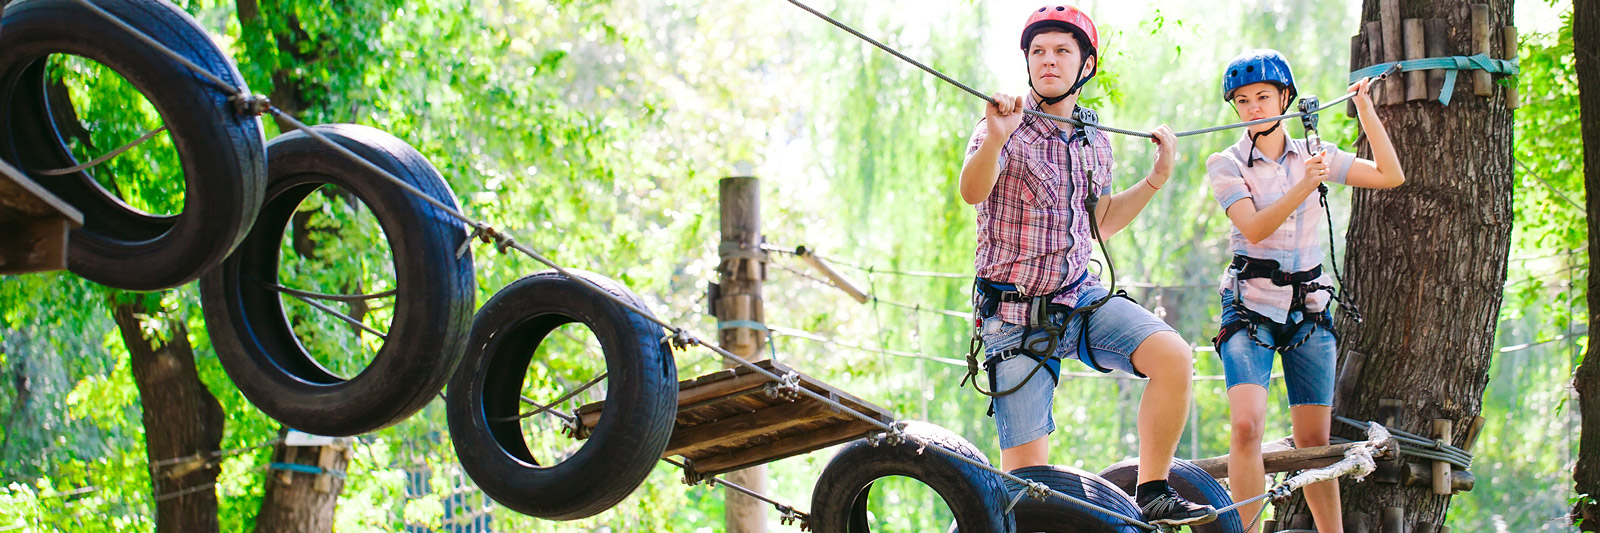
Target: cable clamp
(250, 105)
(786, 388)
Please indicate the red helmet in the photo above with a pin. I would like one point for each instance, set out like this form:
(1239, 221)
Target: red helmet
(1062, 17)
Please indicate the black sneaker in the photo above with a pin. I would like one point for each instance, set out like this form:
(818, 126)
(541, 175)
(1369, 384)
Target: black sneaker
(1172, 510)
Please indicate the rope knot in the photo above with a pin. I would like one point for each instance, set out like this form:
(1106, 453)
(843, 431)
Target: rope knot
(250, 105)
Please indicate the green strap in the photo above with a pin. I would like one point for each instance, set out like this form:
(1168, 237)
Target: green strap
(1448, 64)
(751, 324)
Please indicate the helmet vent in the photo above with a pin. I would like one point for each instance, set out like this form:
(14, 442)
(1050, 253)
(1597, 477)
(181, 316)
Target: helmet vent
(1251, 68)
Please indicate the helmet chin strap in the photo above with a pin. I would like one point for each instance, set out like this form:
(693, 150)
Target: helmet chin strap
(1250, 159)
(1053, 100)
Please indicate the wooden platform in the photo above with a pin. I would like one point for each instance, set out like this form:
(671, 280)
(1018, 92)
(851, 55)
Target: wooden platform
(728, 420)
(34, 225)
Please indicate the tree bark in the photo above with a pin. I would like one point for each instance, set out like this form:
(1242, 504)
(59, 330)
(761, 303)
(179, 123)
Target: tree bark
(1427, 264)
(1586, 49)
(302, 502)
(183, 422)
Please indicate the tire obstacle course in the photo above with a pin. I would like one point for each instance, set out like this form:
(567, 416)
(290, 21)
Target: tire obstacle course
(240, 195)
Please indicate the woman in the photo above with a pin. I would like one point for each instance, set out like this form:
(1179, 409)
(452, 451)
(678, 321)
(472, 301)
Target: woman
(1274, 293)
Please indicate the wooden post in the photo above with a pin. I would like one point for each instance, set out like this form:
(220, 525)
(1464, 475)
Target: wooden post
(1508, 50)
(1424, 527)
(1441, 470)
(1277, 459)
(1394, 520)
(1435, 37)
(1269, 526)
(1393, 90)
(743, 268)
(1482, 82)
(1416, 80)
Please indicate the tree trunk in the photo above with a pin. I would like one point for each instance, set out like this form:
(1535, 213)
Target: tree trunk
(1427, 265)
(183, 422)
(303, 502)
(1586, 48)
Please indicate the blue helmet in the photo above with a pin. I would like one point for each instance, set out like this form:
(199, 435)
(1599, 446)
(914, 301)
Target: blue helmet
(1256, 66)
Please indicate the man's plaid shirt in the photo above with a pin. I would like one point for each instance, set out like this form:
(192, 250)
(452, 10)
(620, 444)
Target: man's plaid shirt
(1032, 229)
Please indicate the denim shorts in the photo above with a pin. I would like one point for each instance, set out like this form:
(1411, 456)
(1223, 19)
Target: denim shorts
(1115, 331)
(1307, 369)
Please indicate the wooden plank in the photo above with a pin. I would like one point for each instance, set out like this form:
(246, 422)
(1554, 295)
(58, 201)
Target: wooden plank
(1357, 522)
(686, 441)
(1282, 460)
(34, 245)
(780, 449)
(1416, 80)
(1508, 50)
(719, 384)
(1349, 375)
(22, 198)
(1482, 82)
(1389, 14)
(1473, 429)
(1421, 475)
(1436, 39)
(1355, 51)
(1394, 520)
(1375, 54)
(1441, 470)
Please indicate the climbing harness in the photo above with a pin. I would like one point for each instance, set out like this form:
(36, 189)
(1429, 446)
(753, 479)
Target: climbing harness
(1043, 314)
(1248, 321)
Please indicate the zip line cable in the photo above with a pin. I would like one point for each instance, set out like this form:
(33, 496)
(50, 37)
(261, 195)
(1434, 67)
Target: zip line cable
(1072, 121)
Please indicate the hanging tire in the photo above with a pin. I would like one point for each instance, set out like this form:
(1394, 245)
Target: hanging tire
(976, 496)
(484, 398)
(1054, 515)
(1191, 482)
(221, 150)
(435, 290)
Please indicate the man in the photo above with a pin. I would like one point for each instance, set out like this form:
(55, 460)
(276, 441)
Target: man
(1035, 184)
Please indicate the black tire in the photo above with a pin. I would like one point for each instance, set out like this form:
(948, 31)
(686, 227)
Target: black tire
(1191, 482)
(221, 149)
(976, 496)
(433, 302)
(484, 398)
(1054, 515)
